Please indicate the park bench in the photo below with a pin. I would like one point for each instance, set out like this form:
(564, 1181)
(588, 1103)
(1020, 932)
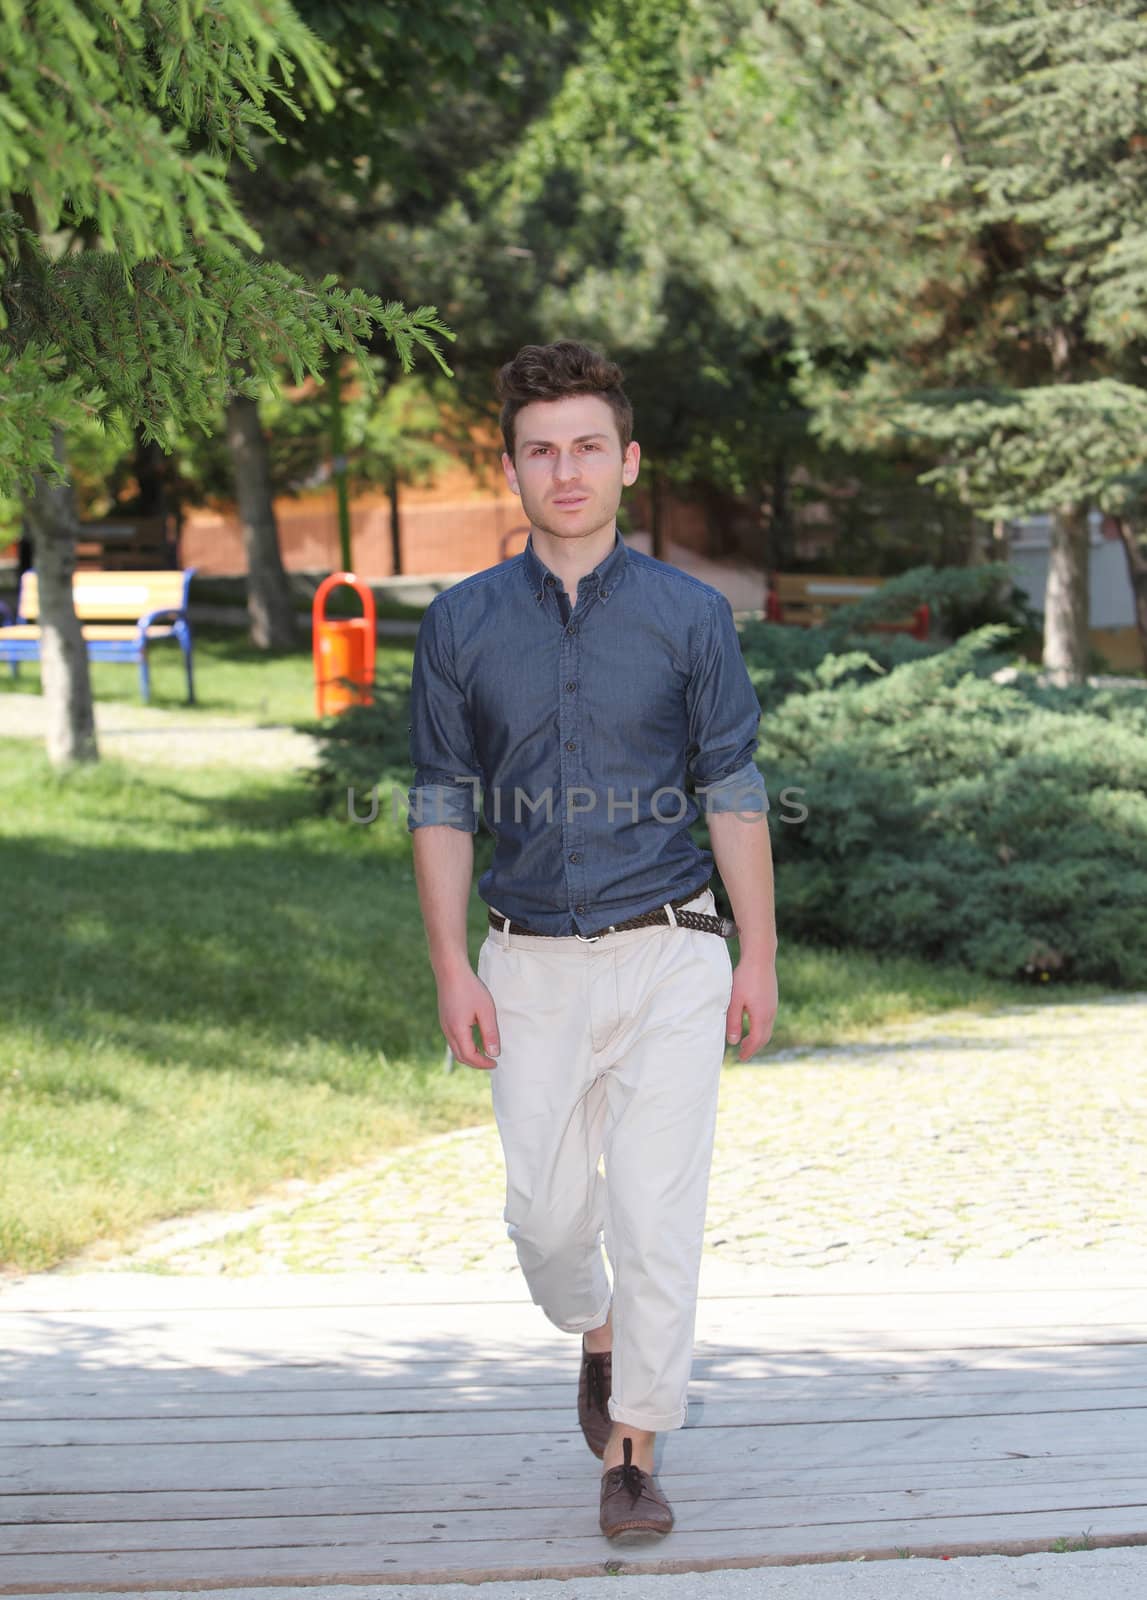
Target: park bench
(122, 615)
(806, 599)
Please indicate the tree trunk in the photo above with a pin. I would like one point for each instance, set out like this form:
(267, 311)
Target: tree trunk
(395, 525)
(1067, 603)
(978, 547)
(781, 522)
(338, 457)
(989, 543)
(1135, 549)
(52, 523)
(1000, 551)
(157, 495)
(152, 470)
(268, 593)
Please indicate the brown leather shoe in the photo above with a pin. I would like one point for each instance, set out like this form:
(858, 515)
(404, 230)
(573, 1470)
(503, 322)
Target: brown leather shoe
(593, 1399)
(632, 1506)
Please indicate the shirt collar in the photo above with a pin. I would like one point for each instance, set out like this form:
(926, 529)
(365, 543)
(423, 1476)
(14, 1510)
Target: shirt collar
(605, 577)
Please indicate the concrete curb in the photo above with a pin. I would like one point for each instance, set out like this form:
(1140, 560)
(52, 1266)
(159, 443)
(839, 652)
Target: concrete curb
(1110, 1574)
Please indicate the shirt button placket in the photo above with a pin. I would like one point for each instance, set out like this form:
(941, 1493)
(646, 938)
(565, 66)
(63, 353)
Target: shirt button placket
(570, 760)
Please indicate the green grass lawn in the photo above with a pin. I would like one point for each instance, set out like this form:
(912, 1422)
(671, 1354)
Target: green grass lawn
(231, 677)
(207, 988)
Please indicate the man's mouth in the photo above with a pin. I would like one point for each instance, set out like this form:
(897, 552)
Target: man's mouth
(571, 500)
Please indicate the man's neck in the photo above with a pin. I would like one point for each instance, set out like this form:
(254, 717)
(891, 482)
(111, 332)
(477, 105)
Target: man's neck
(571, 559)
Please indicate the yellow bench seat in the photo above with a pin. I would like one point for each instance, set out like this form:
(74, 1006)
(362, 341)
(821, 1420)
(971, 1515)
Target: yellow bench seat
(120, 615)
(99, 630)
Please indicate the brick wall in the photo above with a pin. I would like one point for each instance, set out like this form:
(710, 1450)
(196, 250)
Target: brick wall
(460, 536)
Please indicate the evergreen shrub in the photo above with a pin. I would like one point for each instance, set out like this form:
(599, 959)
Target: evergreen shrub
(918, 805)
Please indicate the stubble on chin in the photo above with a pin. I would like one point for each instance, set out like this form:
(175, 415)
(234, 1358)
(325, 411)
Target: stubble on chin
(588, 522)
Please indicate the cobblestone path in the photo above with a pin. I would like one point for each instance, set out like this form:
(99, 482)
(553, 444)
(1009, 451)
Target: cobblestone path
(172, 738)
(1018, 1132)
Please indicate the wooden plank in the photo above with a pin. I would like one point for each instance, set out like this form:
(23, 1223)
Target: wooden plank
(571, 1555)
(111, 1296)
(472, 1394)
(463, 1421)
(971, 1310)
(142, 1291)
(567, 1487)
(897, 1307)
(243, 1465)
(246, 1442)
(145, 1385)
(434, 1524)
(246, 1338)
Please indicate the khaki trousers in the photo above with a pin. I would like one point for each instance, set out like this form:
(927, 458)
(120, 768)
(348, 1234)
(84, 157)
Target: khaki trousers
(613, 1048)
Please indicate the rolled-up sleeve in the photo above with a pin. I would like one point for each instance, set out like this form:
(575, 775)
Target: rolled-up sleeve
(447, 776)
(724, 718)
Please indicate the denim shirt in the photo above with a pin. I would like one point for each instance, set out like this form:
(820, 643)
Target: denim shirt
(590, 733)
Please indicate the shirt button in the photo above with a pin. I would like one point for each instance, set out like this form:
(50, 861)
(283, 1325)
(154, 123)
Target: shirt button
(570, 745)
(574, 856)
(604, 593)
(580, 910)
(571, 686)
(549, 583)
(572, 628)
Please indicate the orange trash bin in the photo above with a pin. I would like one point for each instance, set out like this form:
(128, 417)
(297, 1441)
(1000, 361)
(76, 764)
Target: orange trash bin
(343, 650)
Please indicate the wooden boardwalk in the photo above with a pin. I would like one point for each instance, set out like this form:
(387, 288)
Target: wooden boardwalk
(211, 1433)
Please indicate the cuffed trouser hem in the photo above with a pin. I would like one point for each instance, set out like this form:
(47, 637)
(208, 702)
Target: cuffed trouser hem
(597, 1321)
(648, 1421)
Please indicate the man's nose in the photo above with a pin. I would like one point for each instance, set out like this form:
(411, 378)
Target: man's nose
(566, 466)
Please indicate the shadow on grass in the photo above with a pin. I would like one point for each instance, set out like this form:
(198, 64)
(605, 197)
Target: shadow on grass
(274, 810)
(167, 952)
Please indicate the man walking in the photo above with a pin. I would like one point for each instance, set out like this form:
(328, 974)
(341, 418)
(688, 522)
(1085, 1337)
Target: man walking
(594, 696)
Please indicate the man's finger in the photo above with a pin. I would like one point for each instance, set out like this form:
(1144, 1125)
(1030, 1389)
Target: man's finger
(467, 1054)
(488, 1033)
(758, 1034)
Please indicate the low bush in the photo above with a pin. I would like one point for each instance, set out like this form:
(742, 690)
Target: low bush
(919, 806)
(362, 747)
(960, 600)
(922, 806)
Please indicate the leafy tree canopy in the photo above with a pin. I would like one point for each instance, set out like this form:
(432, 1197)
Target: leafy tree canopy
(948, 206)
(124, 285)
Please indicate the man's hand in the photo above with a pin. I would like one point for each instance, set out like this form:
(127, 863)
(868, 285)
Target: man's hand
(754, 991)
(463, 1000)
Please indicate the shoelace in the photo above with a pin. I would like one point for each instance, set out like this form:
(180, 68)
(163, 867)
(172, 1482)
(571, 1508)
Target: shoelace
(631, 1477)
(595, 1382)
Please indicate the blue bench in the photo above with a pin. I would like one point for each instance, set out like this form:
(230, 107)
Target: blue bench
(122, 614)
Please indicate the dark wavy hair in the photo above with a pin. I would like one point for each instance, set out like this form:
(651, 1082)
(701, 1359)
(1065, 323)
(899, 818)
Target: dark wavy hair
(553, 371)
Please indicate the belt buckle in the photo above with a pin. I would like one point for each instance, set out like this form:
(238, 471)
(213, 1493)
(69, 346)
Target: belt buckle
(588, 938)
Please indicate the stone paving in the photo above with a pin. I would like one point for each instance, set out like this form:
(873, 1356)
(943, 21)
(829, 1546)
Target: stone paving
(1019, 1132)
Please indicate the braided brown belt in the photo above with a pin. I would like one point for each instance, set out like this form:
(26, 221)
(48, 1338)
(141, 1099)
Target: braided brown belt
(657, 918)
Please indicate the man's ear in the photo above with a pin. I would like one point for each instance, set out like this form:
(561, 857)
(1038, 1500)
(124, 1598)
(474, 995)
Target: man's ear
(511, 475)
(630, 463)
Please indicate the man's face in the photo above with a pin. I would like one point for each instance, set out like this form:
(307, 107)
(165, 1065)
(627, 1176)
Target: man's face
(568, 466)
